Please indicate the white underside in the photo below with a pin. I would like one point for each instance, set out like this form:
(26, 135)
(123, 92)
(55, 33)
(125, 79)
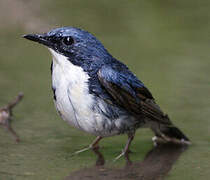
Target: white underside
(73, 101)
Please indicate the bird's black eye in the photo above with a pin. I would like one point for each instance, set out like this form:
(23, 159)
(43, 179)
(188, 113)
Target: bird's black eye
(68, 40)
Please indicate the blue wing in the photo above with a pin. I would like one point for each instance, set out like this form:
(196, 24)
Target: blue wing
(129, 92)
(121, 76)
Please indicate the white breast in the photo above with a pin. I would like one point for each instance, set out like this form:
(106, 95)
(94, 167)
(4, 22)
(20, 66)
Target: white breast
(79, 108)
(73, 101)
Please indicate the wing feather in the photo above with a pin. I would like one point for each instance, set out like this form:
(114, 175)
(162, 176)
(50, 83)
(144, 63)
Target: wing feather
(130, 93)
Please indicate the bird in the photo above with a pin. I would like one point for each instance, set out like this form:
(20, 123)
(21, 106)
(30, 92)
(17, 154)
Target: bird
(98, 94)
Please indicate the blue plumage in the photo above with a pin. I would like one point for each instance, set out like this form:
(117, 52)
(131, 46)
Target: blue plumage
(95, 92)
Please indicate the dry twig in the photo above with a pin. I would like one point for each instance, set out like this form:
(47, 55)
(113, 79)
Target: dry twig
(6, 115)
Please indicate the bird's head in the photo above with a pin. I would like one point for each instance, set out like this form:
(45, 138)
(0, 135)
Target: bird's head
(78, 45)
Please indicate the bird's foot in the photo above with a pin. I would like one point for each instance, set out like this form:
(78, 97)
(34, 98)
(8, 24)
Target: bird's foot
(91, 146)
(82, 150)
(119, 156)
(123, 153)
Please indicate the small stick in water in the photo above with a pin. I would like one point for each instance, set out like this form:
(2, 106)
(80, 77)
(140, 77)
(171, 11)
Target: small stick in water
(6, 115)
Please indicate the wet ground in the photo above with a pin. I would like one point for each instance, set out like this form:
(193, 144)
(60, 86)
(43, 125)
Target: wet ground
(155, 166)
(165, 43)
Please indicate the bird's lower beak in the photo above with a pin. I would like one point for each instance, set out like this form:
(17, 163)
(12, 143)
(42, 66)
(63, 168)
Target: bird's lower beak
(40, 38)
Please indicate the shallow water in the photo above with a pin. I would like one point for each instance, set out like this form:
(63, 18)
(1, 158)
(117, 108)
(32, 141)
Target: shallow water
(165, 43)
(157, 163)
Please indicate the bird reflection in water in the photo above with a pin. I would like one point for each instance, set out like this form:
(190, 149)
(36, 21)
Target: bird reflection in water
(156, 164)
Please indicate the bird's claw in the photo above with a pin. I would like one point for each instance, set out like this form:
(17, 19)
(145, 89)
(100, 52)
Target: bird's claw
(82, 150)
(91, 146)
(120, 155)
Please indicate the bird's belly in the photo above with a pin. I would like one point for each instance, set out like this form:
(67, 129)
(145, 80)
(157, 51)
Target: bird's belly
(64, 107)
(72, 99)
(77, 112)
(75, 104)
(81, 109)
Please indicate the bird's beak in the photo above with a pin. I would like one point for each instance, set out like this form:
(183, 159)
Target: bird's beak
(40, 38)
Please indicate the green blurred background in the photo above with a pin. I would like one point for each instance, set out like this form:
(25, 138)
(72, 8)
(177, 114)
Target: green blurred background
(166, 44)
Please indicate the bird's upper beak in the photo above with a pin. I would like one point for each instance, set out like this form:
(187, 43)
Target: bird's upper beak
(40, 38)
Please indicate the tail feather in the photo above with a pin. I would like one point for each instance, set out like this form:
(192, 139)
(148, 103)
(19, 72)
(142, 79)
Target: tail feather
(160, 122)
(174, 132)
(171, 132)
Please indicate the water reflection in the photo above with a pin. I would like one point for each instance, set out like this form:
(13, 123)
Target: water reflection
(100, 161)
(156, 164)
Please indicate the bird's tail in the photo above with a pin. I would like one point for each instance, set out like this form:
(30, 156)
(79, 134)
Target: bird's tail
(171, 133)
(161, 123)
(174, 133)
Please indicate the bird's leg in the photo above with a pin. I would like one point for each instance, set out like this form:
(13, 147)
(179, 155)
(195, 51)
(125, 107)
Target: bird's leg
(126, 150)
(93, 145)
